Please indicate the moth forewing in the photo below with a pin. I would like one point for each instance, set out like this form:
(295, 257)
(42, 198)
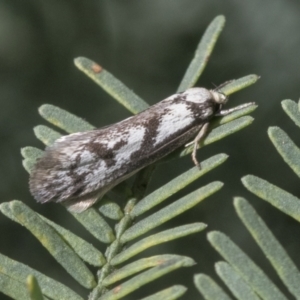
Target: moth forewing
(78, 169)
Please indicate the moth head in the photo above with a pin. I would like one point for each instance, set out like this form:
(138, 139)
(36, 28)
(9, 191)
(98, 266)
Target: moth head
(218, 97)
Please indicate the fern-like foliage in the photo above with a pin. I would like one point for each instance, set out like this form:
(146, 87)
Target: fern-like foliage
(244, 278)
(74, 253)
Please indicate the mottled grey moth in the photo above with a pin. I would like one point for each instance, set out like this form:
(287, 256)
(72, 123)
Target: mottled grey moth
(78, 169)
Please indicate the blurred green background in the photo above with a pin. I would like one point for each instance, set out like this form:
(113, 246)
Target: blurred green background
(148, 45)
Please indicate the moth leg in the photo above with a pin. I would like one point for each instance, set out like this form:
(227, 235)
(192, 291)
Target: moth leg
(230, 110)
(189, 144)
(196, 141)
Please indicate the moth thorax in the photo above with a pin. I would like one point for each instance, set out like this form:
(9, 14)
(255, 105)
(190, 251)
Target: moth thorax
(219, 97)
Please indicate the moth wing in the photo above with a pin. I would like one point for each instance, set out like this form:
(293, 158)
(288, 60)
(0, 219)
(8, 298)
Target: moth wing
(81, 166)
(81, 203)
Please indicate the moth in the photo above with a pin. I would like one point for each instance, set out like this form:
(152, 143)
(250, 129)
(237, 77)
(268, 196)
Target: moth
(78, 169)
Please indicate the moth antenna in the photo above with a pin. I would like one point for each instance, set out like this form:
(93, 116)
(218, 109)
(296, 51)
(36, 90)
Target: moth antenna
(217, 88)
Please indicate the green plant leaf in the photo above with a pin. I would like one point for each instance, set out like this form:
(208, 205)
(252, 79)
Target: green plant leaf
(85, 250)
(45, 134)
(227, 129)
(137, 266)
(111, 210)
(156, 239)
(272, 249)
(167, 213)
(209, 289)
(111, 85)
(240, 289)
(13, 288)
(292, 110)
(34, 288)
(28, 164)
(58, 248)
(63, 119)
(238, 84)
(96, 225)
(286, 148)
(14, 276)
(202, 54)
(248, 270)
(177, 184)
(31, 153)
(173, 292)
(145, 277)
(277, 197)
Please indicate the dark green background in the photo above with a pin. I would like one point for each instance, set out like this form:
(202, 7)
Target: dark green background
(148, 45)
